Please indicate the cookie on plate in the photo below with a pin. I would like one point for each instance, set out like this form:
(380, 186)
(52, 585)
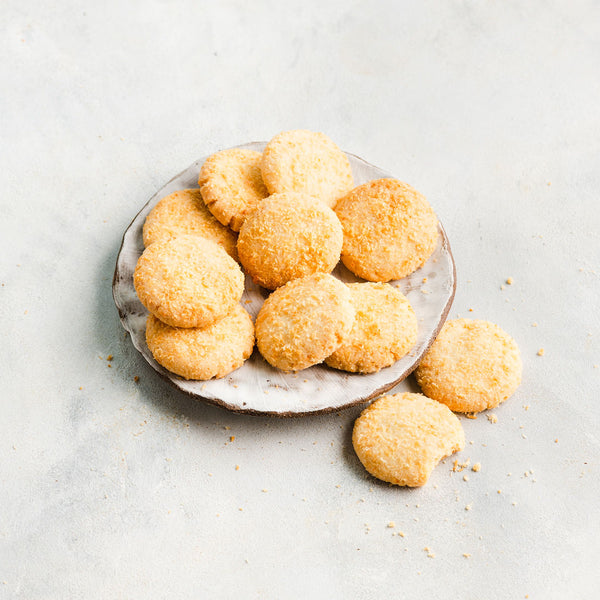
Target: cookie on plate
(188, 281)
(231, 185)
(401, 438)
(184, 212)
(308, 162)
(390, 230)
(202, 352)
(471, 366)
(384, 330)
(290, 235)
(303, 322)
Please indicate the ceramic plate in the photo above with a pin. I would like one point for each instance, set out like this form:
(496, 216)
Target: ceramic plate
(257, 387)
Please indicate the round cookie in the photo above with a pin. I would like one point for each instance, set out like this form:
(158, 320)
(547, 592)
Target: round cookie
(184, 212)
(202, 352)
(471, 366)
(401, 438)
(303, 322)
(390, 230)
(188, 281)
(231, 185)
(308, 162)
(384, 330)
(290, 235)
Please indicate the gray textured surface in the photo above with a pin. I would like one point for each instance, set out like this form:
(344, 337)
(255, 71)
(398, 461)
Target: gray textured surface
(127, 490)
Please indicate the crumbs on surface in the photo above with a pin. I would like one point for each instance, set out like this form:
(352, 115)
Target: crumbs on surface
(476, 467)
(492, 418)
(540, 352)
(509, 280)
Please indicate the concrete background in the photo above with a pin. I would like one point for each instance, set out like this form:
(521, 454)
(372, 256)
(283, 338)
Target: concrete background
(112, 489)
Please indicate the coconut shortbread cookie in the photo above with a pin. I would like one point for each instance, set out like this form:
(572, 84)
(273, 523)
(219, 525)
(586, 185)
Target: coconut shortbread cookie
(184, 212)
(202, 352)
(390, 230)
(290, 235)
(384, 330)
(401, 438)
(308, 162)
(188, 281)
(231, 185)
(303, 322)
(472, 365)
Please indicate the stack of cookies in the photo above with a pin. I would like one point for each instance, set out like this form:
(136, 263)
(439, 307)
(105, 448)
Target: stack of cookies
(286, 216)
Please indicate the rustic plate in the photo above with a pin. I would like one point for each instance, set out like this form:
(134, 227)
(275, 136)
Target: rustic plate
(258, 388)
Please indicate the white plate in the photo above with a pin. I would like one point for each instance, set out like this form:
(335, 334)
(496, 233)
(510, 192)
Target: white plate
(257, 387)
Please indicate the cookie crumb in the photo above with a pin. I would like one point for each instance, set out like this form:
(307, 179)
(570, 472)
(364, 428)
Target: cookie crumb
(232, 438)
(466, 555)
(534, 324)
(509, 281)
(391, 525)
(492, 418)
(465, 477)
(468, 507)
(540, 352)
(471, 416)
(109, 357)
(476, 467)
(237, 467)
(136, 378)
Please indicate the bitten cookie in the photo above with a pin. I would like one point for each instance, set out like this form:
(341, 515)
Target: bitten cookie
(303, 322)
(231, 185)
(188, 281)
(384, 330)
(472, 365)
(308, 162)
(402, 437)
(390, 230)
(288, 236)
(202, 353)
(184, 212)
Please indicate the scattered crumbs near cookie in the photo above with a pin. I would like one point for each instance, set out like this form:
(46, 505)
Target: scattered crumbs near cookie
(465, 477)
(237, 467)
(509, 281)
(596, 366)
(210, 474)
(556, 441)
(109, 357)
(424, 291)
(514, 503)
(471, 442)
(264, 490)
(492, 418)
(430, 552)
(470, 310)
(391, 525)
(541, 352)
(526, 406)
(203, 386)
(471, 416)
(80, 387)
(247, 301)
(468, 507)
(466, 555)
(499, 491)
(424, 279)
(232, 438)
(476, 467)
(502, 287)
(523, 436)
(240, 509)
(534, 324)
(136, 378)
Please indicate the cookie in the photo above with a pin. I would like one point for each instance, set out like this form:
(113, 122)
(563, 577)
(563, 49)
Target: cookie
(390, 230)
(184, 212)
(188, 281)
(303, 322)
(384, 330)
(401, 438)
(231, 185)
(308, 162)
(471, 366)
(202, 352)
(290, 235)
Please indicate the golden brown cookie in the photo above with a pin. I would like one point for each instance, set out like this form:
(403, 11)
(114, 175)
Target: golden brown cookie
(288, 236)
(202, 353)
(307, 162)
(303, 322)
(188, 281)
(402, 437)
(390, 230)
(471, 366)
(184, 212)
(384, 330)
(232, 185)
